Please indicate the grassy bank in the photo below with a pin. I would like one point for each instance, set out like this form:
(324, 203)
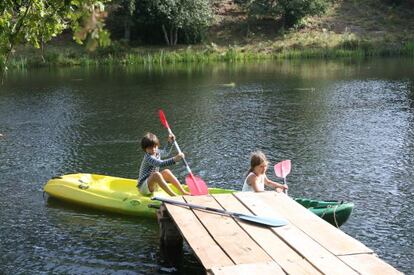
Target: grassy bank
(349, 29)
(74, 56)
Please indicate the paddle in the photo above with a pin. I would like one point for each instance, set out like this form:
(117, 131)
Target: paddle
(282, 169)
(195, 184)
(269, 221)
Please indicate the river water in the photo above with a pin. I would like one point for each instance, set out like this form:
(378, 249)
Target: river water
(347, 126)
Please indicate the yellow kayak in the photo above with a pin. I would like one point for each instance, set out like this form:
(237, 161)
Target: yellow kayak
(121, 195)
(107, 193)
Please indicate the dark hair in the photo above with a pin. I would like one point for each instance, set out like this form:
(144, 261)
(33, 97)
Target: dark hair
(256, 158)
(149, 140)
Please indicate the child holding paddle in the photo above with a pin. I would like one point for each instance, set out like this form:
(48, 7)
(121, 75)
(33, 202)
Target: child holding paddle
(256, 178)
(149, 173)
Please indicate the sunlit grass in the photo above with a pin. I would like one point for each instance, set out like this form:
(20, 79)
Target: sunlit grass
(322, 45)
(408, 49)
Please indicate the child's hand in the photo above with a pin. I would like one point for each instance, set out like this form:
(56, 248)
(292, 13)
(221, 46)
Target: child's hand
(281, 187)
(171, 138)
(178, 157)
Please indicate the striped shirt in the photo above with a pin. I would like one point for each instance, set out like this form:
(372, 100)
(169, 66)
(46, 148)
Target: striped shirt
(152, 163)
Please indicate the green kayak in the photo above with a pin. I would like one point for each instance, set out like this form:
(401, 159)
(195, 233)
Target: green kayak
(334, 212)
(120, 195)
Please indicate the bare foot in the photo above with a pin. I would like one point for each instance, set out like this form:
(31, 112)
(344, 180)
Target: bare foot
(186, 193)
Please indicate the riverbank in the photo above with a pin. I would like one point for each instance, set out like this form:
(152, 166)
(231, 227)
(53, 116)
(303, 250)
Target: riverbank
(118, 55)
(348, 29)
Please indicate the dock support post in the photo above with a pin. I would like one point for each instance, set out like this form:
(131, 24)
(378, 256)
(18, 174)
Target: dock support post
(171, 241)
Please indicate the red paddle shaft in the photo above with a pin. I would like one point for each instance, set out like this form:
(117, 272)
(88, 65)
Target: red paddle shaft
(196, 185)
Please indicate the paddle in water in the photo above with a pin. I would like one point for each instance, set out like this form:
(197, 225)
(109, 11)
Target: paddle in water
(195, 184)
(269, 221)
(282, 169)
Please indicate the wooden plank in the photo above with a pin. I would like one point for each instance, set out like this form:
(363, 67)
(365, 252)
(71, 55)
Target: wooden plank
(369, 264)
(288, 259)
(317, 228)
(205, 248)
(248, 269)
(236, 243)
(310, 249)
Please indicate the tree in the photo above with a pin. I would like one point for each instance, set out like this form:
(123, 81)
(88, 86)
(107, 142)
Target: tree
(189, 16)
(294, 10)
(34, 22)
(121, 18)
(289, 11)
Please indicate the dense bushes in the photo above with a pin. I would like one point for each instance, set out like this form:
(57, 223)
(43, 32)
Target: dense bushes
(289, 11)
(399, 2)
(161, 21)
(186, 21)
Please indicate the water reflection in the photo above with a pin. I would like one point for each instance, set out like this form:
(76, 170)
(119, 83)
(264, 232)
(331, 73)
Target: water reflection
(346, 125)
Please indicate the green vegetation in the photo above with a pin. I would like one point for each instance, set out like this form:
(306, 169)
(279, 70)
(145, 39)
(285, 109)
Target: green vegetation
(290, 12)
(35, 22)
(230, 31)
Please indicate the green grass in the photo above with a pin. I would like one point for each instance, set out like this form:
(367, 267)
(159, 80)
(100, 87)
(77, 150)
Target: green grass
(408, 49)
(297, 48)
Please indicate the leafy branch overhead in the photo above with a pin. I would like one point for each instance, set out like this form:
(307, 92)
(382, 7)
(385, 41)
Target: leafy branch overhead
(34, 22)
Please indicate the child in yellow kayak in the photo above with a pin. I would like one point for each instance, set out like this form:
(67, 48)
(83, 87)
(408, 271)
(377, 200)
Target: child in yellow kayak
(256, 178)
(149, 173)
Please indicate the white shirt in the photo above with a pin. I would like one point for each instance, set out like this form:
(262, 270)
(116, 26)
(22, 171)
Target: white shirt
(260, 183)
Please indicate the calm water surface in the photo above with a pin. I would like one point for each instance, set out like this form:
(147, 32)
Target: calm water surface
(347, 126)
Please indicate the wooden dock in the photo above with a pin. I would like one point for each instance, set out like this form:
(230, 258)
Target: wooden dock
(307, 245)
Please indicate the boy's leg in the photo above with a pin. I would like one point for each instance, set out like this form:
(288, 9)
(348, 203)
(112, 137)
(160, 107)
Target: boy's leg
(157, 178)
(169, 176)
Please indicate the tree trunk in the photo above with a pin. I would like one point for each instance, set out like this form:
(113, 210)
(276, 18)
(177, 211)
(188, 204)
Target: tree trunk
(165, 35)
(176, 36)
(171, 36)
(127, 29)
(12, 40)
(42, 50)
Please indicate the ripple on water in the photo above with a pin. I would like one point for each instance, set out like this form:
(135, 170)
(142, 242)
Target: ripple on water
(350, 137)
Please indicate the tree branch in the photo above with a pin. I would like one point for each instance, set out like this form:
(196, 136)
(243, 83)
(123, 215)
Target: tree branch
(13, 36)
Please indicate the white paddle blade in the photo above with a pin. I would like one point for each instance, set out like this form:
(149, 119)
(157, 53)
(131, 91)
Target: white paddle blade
(269, 221)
